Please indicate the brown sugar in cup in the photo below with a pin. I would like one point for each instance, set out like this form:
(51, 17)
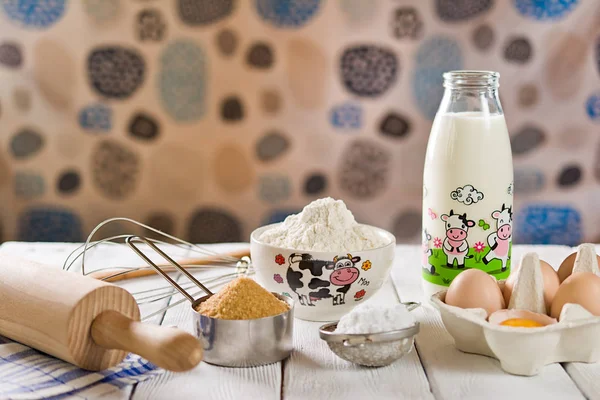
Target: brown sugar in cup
(244, 325)
(242, 299)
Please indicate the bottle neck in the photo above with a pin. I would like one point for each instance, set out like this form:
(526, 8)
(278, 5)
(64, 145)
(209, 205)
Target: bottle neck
(471, 91)
(483, 100)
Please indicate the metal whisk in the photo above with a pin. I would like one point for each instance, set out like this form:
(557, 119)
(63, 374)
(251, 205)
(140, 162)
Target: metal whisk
(232, 265)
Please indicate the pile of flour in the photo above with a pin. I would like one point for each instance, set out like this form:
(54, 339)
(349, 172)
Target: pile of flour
(323, 225)
(367, 318)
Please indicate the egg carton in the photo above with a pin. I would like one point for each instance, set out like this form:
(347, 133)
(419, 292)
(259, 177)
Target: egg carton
(520, 350)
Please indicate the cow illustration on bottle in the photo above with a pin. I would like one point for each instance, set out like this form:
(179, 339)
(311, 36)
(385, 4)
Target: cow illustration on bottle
(344, 275)
(499, 240)
(426, 252)
(304, 276)
(455, 244)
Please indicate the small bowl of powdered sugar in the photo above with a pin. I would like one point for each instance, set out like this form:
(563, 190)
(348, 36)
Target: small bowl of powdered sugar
(323, 259)
(373, 336)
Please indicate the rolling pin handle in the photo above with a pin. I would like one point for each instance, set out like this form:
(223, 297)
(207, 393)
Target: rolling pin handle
(168, 348)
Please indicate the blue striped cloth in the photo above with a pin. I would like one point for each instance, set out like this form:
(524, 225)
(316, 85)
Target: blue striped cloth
(28, 374)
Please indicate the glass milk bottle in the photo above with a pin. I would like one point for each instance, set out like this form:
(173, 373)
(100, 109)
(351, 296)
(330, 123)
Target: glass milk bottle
(468, 183)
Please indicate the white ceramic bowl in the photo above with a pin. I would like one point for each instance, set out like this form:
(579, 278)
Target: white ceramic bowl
(322, 288)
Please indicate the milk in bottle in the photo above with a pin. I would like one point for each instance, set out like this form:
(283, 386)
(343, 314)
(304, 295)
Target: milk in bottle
(468, 183)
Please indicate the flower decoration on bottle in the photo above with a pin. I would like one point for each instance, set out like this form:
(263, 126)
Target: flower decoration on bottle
(279, 259)
(277, 278)
(359, 295)
(366, 265)
(432, 215)
(479, 247)
(437, 242)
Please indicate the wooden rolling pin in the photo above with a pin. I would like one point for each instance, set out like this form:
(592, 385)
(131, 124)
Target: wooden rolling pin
(81, 320)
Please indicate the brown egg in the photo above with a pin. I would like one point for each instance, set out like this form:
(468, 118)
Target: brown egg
(581, 288)
(509, 284)
(551, 284)
(566, 267)
(474, 288)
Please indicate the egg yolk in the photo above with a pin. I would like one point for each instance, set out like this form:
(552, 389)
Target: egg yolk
(521, 322)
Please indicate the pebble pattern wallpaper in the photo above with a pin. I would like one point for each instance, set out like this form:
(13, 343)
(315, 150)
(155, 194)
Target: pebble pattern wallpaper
(209, 118)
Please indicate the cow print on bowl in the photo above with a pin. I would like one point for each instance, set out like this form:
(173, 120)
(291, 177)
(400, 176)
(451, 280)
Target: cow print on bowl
(115, 71)
(304, 278)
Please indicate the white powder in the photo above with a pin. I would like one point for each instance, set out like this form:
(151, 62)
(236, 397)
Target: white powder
(323, 225)
(368, 318)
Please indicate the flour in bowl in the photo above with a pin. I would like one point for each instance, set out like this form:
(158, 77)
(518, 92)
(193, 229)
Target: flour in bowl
(323, 225)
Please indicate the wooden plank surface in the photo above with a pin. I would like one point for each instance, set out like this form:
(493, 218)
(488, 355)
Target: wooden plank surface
(313, 371)
(456, 375)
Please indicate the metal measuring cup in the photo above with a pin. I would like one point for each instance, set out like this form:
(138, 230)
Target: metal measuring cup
(231, 343)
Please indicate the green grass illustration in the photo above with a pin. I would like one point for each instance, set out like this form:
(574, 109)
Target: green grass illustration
(444, 275)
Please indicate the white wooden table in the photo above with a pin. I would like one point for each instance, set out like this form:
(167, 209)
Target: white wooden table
(436, 370)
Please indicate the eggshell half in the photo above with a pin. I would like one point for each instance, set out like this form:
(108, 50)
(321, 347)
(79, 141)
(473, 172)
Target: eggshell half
(502, 315)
